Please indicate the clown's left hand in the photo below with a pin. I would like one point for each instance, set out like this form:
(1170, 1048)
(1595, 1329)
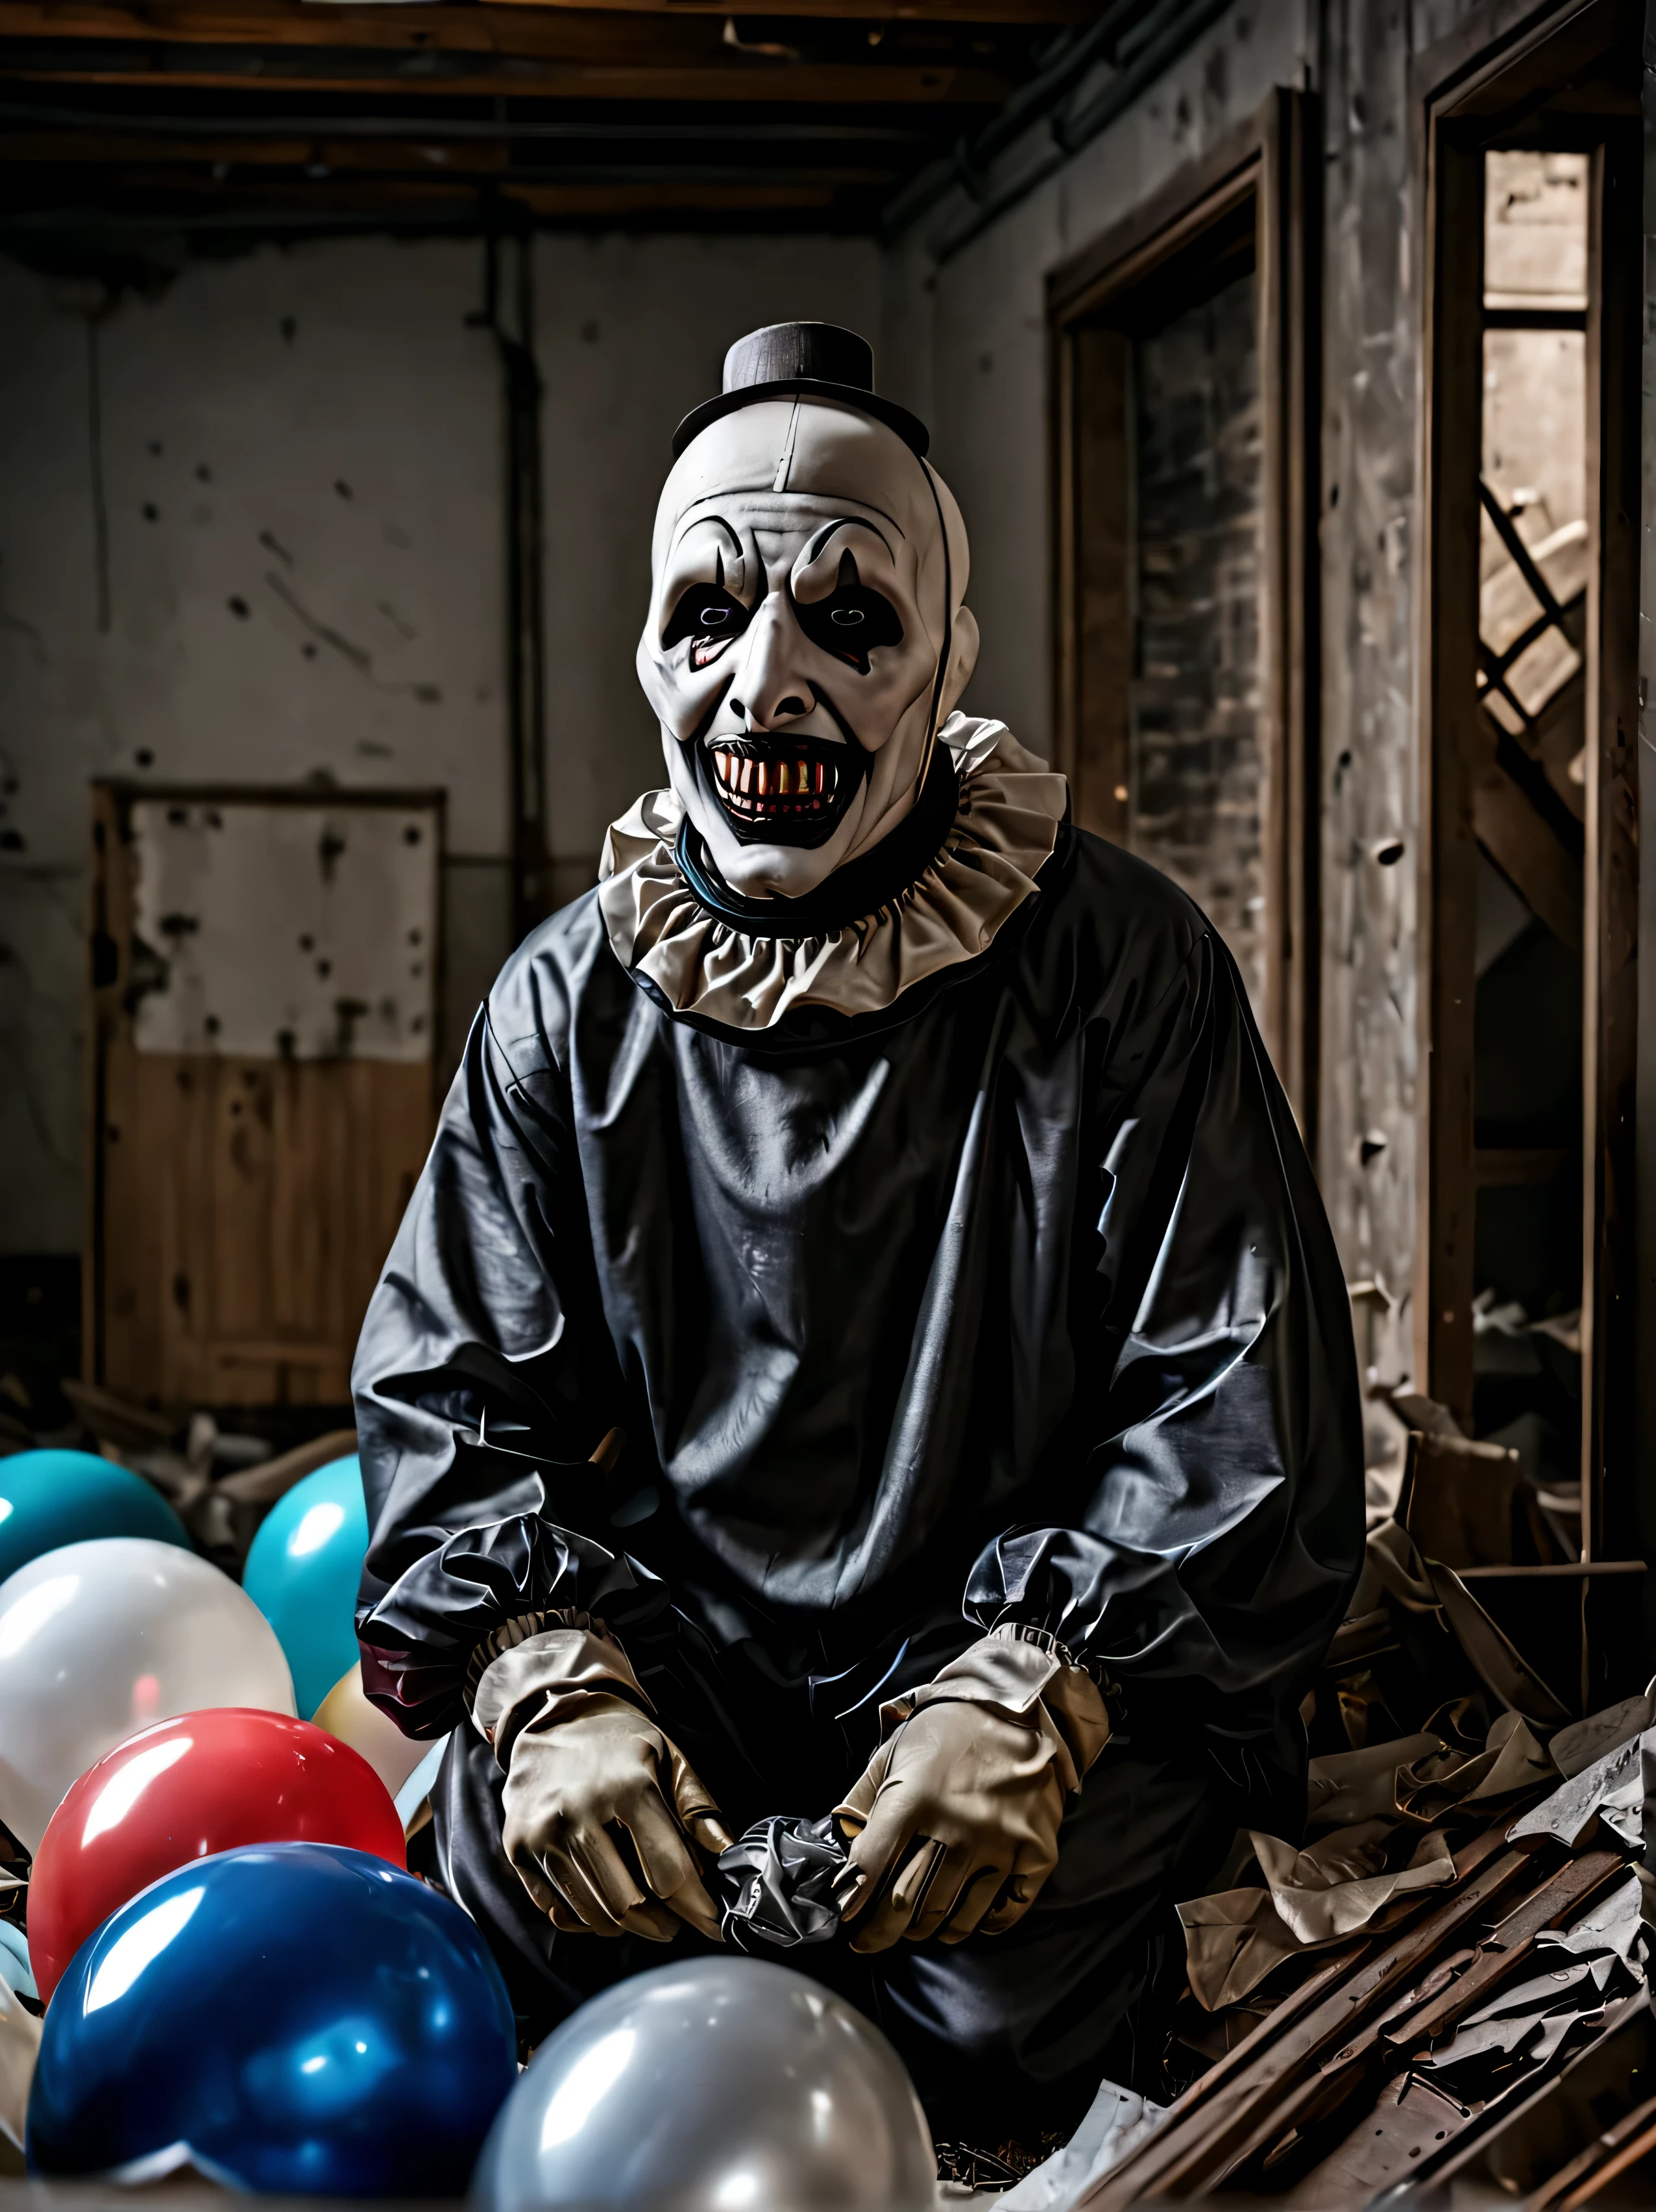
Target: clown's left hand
(963, 1800)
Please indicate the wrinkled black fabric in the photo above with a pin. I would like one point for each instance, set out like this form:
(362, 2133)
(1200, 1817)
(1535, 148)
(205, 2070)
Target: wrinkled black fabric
(774, 1886)
(1026, 1305)
(1014, 1302)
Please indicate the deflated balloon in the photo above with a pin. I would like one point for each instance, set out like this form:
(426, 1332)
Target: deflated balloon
(50, 1498)
(98, 1640)
(303, 1573)
(183, 1790)
(295, 2018)
(713, 2084)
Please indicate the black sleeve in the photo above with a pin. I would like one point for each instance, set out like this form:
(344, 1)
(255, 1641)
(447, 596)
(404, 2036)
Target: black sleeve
(1214, 1532)
(483, 1380)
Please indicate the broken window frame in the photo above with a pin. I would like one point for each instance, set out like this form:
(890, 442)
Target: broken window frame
(1094, 302)
(1560, 87)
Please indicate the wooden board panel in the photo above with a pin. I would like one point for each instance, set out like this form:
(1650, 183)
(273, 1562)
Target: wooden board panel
(241, 1207)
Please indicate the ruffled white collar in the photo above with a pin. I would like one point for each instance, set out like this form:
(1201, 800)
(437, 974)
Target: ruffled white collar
(1005, 826)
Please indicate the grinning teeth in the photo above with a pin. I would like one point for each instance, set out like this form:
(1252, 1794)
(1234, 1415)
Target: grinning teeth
(780, 787)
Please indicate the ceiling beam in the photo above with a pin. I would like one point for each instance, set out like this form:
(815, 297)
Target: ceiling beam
(271, 200)
(1032, 13)
(350, 161)
(607, 70)
(537, 31)
(435, 128)
(506, 27)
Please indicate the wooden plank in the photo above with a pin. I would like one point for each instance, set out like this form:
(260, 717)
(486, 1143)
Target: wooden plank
(1610, 1476)
(1500, 62)
(1300, 229)
(550, 52)
(1523, 848)
(604, 77)
(1208, 2136)
(541, 28)
(505, 27)
(1557, 1571)
(1286, 230)
(1280, 782)
(1507, 1948)
(1453, 751)
(1343, 2075)
(1034, 12)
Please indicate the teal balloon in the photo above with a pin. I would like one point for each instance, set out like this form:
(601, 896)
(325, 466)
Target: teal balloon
(50, 1498)
(303, 1573)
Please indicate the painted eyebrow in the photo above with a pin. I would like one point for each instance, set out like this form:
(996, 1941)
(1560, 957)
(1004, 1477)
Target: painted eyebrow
(845, 522)
(880, 511)
(719, 523)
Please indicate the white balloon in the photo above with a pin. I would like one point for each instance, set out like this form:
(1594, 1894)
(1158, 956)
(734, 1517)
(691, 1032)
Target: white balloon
(99, 1639)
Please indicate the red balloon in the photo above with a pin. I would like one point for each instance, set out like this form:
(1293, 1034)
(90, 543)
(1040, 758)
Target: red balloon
(198, 1783)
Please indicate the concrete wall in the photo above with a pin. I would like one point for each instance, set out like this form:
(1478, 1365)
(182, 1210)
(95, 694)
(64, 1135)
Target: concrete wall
(251, 531)
(247, 534)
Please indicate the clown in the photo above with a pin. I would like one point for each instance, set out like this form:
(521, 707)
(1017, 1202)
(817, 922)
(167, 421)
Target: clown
(900, 1168)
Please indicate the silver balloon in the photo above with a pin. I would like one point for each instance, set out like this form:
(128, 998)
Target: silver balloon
(718, 2086)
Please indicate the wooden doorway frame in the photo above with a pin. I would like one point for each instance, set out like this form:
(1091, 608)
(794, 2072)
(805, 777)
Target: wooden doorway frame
(1482, 89)
(1273, 160)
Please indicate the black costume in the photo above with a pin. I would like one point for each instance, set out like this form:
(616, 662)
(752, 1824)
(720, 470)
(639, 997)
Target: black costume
(1011, 1301)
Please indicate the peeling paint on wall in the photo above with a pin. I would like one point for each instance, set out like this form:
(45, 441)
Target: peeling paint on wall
(285, 931)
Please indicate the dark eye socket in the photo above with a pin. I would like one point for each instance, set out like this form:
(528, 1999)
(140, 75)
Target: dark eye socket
(707, 615)
(852, 623)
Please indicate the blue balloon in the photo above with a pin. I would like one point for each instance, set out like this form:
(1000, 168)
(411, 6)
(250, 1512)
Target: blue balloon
(303, 1573)
(294, 2017)
(50, 1498)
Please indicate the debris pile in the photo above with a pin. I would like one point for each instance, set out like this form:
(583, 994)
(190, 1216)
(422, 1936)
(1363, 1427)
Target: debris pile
(1444, 1985)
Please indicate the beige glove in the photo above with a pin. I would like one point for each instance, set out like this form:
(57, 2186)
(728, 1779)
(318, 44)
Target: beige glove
(963, 1799)
(602, 1808)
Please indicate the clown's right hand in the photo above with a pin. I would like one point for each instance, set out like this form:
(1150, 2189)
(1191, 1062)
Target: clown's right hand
(603, 1813)
(600, 1812)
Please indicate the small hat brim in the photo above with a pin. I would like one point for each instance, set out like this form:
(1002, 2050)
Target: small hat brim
(909, 427)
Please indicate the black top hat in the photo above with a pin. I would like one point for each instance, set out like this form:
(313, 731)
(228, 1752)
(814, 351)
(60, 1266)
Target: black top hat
(818, 361)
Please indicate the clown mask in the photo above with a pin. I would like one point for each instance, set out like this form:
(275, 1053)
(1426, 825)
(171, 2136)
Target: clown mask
(806, 636)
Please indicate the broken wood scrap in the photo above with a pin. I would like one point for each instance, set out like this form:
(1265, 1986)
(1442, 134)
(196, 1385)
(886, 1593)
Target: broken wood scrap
(1427, 2035)
(1561, 2142)
(1306, 2116)
(1215, 2127)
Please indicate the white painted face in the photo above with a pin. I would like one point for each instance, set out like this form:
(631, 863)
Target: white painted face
(805, 637)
